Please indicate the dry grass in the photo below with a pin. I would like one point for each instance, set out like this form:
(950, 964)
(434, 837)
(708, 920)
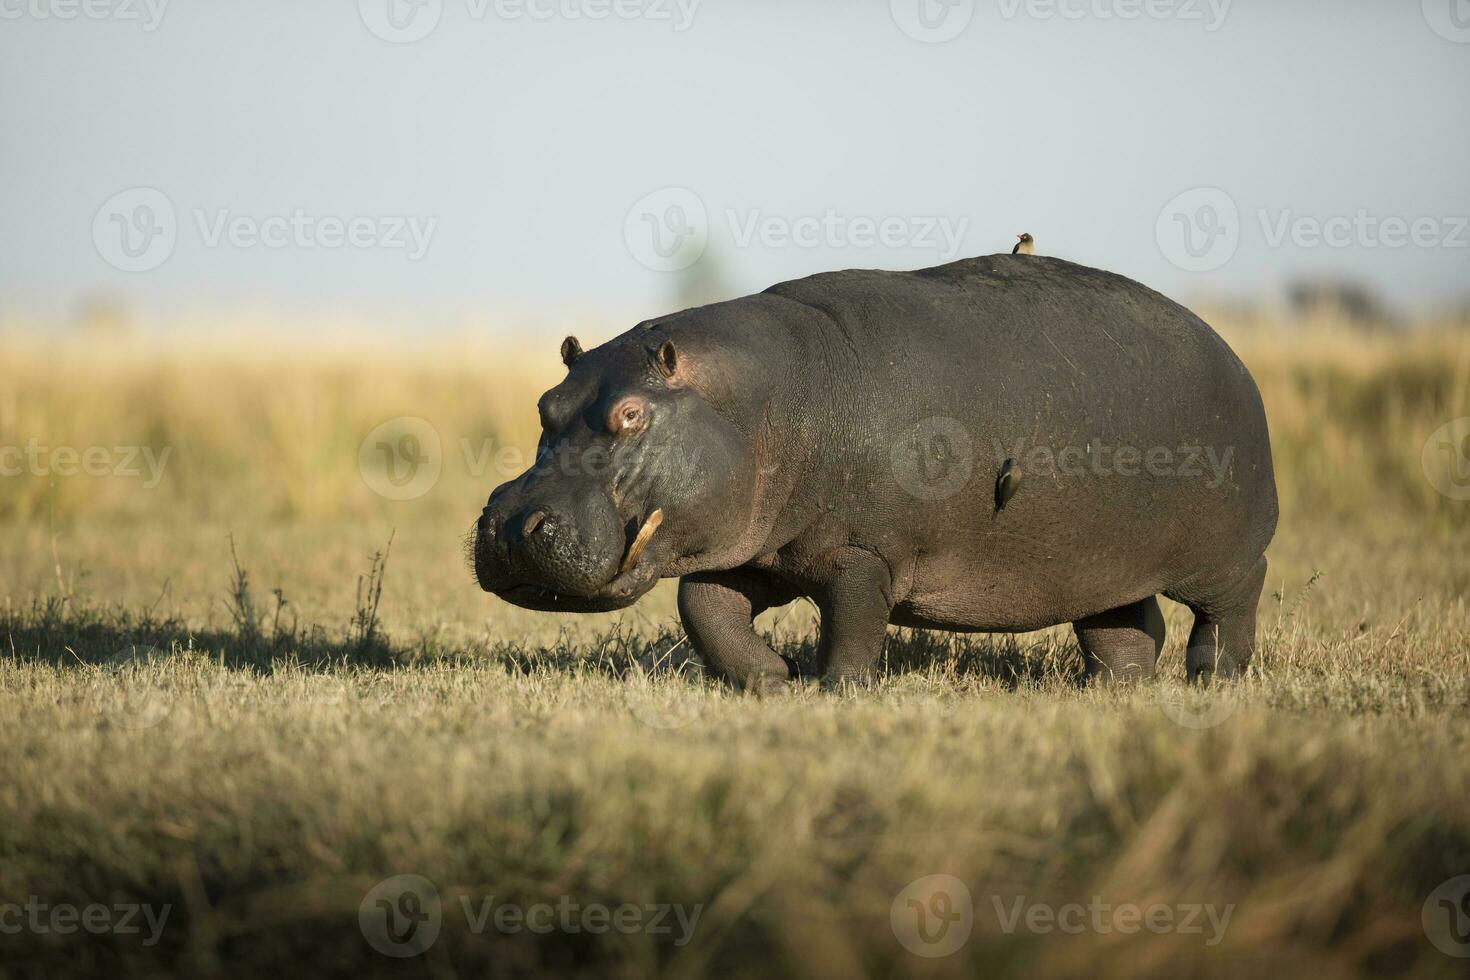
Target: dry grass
(175, 733)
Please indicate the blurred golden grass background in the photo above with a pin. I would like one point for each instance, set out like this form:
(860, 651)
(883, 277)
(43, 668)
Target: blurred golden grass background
(260, 772)
(268, 427)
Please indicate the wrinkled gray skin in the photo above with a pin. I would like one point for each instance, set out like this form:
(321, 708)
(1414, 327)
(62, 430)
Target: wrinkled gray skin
(843, 437)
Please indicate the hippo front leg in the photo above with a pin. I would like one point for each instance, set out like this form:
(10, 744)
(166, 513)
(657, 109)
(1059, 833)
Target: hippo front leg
(856, 602)
(718, 610)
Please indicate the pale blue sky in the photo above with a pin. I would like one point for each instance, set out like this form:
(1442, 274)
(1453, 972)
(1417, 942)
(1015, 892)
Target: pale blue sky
(528, 139)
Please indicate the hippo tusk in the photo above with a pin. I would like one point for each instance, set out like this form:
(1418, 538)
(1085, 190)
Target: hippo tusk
(645, 535)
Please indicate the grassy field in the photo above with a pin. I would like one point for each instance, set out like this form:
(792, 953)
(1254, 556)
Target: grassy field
(236, 742)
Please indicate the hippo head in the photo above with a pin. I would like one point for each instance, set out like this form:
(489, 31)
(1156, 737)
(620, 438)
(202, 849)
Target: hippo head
(637, 477)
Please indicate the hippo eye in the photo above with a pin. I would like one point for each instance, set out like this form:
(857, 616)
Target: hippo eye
(627, 417)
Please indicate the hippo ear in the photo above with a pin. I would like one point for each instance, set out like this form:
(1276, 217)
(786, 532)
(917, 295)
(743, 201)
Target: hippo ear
(571, 349)
(667, 359)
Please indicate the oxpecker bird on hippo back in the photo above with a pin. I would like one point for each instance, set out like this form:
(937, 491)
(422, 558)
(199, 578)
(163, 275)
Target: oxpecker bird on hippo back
(999, 444)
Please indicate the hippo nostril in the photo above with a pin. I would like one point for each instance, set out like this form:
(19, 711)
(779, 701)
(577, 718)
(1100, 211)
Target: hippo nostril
(535, 521)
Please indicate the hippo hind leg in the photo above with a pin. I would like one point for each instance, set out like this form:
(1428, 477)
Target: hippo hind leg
(1224, 635)
(1122, 644)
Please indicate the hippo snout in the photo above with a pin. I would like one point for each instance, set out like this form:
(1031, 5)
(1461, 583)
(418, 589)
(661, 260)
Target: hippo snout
(570, 549)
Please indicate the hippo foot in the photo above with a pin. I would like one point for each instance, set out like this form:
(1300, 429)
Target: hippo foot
(1121, 645)
(768, 686)
(846, 683)
(1223, 638)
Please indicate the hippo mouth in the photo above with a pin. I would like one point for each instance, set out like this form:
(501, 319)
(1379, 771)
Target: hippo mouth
(636, 575)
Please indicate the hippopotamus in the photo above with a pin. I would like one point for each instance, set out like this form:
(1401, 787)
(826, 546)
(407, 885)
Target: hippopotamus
(998, 444)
